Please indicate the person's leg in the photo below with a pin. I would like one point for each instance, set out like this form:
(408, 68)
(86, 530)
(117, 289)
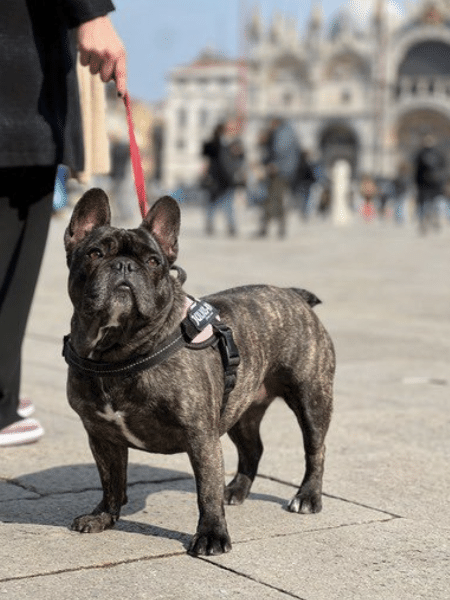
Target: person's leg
(281, 193)
(228, 207)
(26, 197)
(211, 208)
(421, 196)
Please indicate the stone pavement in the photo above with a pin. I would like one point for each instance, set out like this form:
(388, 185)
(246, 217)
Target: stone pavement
(384, 530)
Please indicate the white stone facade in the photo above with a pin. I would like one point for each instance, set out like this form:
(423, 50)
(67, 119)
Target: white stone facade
(367, 96)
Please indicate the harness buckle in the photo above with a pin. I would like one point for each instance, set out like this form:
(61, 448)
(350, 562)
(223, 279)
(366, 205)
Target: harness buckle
(228, 348)
(199, 316)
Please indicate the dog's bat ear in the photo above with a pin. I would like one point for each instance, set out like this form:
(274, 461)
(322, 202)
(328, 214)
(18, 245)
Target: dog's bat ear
(90, 212)
(163, 222)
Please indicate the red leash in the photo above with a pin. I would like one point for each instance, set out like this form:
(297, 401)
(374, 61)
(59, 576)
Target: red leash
(136, 161)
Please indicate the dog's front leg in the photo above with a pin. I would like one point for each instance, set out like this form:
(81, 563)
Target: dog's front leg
(111, 462)
(206, 458)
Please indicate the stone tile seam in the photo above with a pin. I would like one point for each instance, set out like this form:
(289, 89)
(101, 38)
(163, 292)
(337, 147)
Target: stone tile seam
(249, 578)
(119, 563)
(41, 495)
(293, 485)
(109, 565)
(98, 488)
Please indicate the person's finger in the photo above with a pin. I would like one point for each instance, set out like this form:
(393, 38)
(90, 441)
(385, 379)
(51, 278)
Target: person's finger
(107, 70)
(120, 75)
(85, 57)
(95, 64)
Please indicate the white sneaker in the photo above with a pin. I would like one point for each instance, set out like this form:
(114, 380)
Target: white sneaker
(24, 431)
(25, 408)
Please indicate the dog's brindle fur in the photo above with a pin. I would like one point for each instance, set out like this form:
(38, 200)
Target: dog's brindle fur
(125, 303)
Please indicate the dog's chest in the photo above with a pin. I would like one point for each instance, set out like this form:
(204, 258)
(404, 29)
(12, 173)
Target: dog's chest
(128, 416)
(118, 419)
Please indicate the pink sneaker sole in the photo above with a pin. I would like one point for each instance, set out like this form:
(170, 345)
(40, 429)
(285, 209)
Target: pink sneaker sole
(25, 408)
(24, 431)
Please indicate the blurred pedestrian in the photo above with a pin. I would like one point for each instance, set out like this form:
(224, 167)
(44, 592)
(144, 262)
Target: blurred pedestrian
(39, 129)
(324, 206)
(429, 178)
(446, 199)
(304, 180)
(402, 184)
(281, 154)
(386, 191)
(368, 191)
(224, 172)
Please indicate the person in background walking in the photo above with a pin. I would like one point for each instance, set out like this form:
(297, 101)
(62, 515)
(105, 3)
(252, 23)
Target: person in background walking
(368, 191)
(224, 172)
(401, 187)
(39, 129)
(304, 180)
(429, 178)
(281, 154)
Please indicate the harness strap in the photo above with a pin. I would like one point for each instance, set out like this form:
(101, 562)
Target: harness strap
(200, 315)
(230, 357)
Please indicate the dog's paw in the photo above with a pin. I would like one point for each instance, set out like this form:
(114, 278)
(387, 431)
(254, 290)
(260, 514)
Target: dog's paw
(93, 523)
(305, 503)
(237, 490)
(209, 544)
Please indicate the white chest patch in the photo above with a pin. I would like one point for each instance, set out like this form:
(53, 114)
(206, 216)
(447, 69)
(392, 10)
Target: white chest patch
(118, 417)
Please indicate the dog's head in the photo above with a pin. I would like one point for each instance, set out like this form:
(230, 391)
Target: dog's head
(120, 276)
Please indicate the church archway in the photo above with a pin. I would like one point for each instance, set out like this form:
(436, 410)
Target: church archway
(431, 57)
(338, 141)
(424, 73)
(415, 125)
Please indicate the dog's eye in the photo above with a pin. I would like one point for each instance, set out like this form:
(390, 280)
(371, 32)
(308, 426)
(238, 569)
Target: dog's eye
(154, 261)
(95, 253)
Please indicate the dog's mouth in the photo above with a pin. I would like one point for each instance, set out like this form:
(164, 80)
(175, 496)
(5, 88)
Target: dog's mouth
(123, 294)
(124, 287)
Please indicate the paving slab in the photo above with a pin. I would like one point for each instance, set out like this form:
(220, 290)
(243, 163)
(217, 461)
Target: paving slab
(372, 561)
(158, 520)
(168, 578)
(384, 529)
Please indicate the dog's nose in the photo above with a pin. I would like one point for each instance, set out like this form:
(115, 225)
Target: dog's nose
(122, 265)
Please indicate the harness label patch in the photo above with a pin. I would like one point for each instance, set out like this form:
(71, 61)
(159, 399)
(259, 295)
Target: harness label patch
(201, 314)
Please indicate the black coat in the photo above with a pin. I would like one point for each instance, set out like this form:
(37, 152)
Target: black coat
(430, 169)
(40, 122)
(224, 167)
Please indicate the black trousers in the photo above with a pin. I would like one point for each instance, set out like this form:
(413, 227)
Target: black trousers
(26, 198)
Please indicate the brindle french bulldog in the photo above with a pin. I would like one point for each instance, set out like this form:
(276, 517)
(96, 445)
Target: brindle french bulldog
(126, 303)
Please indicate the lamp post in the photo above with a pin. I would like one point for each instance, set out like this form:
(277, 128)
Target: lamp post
(381, 39)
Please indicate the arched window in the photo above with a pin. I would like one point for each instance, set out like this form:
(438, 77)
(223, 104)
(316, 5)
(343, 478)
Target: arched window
(339, 141)
(427, 58)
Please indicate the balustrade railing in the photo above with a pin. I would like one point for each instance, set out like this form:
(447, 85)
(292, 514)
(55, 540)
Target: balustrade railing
(409, 87)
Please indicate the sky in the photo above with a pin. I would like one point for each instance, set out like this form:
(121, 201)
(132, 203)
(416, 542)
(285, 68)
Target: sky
(162, 34)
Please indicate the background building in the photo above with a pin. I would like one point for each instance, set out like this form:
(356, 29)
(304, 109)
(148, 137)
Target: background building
(368, 93)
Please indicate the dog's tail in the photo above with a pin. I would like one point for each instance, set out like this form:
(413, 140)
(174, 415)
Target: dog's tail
(309, 297)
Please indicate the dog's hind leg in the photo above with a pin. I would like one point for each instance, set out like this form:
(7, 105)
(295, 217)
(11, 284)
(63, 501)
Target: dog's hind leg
(313, 411)
(246, 437)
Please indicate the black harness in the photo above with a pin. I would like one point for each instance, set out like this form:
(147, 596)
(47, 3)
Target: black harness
(199, 316)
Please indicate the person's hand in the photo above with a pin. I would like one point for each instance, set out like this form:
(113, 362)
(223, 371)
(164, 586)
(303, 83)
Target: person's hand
(101, 48)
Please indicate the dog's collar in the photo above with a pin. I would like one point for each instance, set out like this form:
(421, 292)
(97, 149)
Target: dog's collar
(200, 329)
(193, 332)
